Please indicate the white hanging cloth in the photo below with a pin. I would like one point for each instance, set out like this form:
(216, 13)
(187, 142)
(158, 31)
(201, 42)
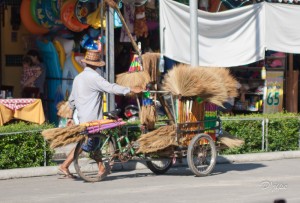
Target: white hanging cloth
(230, 38)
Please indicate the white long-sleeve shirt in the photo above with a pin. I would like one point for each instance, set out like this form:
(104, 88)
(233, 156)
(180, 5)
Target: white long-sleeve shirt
(87, 94)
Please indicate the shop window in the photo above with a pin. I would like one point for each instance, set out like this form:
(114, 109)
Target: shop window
(13, 60)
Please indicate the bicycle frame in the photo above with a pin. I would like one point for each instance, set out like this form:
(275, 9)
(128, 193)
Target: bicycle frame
(119, 147)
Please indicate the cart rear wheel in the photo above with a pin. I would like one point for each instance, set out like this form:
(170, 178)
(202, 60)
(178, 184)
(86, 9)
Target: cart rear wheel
(159, 167)
(202, 155)
(85, 162)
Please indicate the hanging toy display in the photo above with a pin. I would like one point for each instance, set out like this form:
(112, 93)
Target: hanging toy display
(136, 76)
(139, 77)
(140, 23)
(84, 8)
(69, 19)
(93, 40)
(135, 64)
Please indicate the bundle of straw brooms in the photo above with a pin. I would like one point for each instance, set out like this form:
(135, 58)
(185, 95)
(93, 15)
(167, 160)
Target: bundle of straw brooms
(165, 137)
(213, 84)
(58, 137)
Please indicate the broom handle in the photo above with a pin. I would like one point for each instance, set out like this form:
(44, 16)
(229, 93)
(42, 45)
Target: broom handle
(113, 4)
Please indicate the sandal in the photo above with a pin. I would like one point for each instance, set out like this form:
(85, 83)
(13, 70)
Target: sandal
(106, 172)
(103, 175)
(66, 173)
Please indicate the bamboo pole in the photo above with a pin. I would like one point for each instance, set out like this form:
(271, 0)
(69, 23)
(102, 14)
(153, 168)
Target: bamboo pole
(113, 4)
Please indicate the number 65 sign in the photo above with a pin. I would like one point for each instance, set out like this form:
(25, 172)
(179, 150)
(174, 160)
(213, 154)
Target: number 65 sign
(274, 92)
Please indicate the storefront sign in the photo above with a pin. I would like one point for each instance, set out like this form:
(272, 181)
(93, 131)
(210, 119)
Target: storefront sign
(274, 92)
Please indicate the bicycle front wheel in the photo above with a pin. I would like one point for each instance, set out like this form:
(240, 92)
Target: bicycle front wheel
(86, 163)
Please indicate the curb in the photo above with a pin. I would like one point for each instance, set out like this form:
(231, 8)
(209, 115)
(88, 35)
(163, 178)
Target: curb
(133, 165)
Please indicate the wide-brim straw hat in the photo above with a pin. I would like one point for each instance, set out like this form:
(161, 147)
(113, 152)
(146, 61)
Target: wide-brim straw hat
(92, 57)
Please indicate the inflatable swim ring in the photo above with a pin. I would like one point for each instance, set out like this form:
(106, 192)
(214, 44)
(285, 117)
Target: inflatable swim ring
(40, 13)
(68, 17)
(33, 10)
(83, 9)
(28, 21)
(51, 14)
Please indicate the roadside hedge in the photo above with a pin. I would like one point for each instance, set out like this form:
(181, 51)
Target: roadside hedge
(20, 148)
(26, 149)
(282, 132)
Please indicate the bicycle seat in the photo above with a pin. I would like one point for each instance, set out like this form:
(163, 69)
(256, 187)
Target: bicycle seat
(112, 114)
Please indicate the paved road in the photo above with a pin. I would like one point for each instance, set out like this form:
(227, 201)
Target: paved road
(254, 182)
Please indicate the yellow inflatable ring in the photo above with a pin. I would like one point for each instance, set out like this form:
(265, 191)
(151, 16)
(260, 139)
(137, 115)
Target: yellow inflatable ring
(76, 65)
(61, 53)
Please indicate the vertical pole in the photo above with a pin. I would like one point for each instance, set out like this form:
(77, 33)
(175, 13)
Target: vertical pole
(295, 90)
(194, 32)
(263, 135)
(289, 89)
(299, 134)
(45, 153)
(1, 24)
(110, 55)
(267, 141)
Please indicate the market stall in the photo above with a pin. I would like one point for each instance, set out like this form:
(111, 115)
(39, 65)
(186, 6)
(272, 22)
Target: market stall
(234, 38)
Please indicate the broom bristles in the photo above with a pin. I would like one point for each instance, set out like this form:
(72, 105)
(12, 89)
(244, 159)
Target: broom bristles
(230, 140)
(148, 116)
(150, 61)
(157, 140)
(133, 79)
(62, 136)
(187, 81)
(228, 80)
(63, 110)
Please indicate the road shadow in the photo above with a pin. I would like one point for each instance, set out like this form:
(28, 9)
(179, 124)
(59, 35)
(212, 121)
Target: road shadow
(180, 171)
(224, 168)
(116, 176)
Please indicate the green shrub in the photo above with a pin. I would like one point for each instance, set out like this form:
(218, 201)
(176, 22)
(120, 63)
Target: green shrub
(24, 149)
(282, 135)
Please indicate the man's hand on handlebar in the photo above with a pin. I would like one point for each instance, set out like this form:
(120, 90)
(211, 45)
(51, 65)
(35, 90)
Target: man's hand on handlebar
(136, 90)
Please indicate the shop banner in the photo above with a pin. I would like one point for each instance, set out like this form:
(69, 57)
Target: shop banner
(274, 92)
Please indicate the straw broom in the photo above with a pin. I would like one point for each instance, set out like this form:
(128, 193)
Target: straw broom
(150, 63)
(184, 80)
(228, 80)
(230, 141)
(137, 78)
(63, 110)
(157, 140)
(148, 116)
(71, 134)
(165, 137)
(61, 136)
